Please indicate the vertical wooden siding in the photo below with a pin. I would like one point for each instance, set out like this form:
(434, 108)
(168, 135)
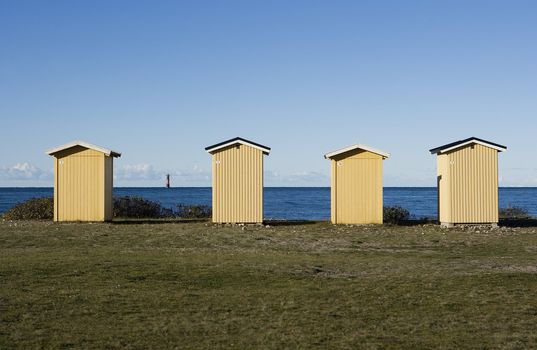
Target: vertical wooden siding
(444, 185)
(472, 185)
(79, 193)
(357, 180)
(56, 198)
(237, 185)
(333, 191)
(108, 188)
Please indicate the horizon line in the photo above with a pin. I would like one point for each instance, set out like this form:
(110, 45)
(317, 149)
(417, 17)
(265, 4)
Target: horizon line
(263, 187)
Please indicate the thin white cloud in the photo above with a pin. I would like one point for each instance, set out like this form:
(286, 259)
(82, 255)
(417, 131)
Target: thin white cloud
(149, 175)
(137, 172)
(518, 177)
(25, 172)
(403, 180)
(196, 175)
(301, 178)
(146, 174)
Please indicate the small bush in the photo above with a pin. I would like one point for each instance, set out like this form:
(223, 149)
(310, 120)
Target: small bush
(167, 213)
(395, 214)
(136, 207)
(514, 213)
(124, 207)
(193, 211)
(32, 209)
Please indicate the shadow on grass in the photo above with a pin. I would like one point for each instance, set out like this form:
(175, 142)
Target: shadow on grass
(156, 221)
(290, 222)
(416, 222)
(127, 221)
(519, 222)
(507, 222)
(313, 222)
(522, 222)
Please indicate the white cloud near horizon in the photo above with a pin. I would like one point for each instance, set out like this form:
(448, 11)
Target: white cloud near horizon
(147, 174)
(518, 177)
(137, 172)
(140, 174)
(25, 172)
(299, 178)
(144, 174)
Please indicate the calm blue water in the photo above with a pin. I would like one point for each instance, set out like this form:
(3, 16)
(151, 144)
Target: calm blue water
(291, 203)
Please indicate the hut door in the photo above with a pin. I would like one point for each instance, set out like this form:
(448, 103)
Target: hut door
(438, 184)
(80, 188)
(359, 191)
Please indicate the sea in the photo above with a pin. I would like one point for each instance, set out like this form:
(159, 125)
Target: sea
(288, 203)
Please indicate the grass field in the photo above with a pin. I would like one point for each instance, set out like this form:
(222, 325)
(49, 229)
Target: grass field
(195, 285)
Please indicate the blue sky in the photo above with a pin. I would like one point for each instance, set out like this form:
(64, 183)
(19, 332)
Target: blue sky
(159, 81)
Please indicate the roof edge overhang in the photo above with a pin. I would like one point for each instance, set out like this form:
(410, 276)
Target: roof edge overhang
(106, 151)
(462, 143)
(237, 140)
(357, 146)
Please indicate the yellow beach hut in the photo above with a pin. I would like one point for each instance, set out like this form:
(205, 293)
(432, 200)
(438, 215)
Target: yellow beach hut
(467, 179)
(83, 182)
(237, 185)
(356, 185)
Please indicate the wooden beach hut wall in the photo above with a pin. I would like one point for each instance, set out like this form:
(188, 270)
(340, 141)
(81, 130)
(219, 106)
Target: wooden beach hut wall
(83, 182)
(467, 178)
(356, 185)
(237, 183)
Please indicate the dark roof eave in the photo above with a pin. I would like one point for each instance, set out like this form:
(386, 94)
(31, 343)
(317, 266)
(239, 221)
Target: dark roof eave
(209, 148)
(460, 142)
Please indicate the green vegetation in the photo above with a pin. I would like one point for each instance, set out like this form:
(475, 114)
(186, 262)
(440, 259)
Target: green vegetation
(193, 211)
(124, 207)
(136, 207)
(32, 209)
(141, 208)
(197, 285)
(395, 214)
(514, 213)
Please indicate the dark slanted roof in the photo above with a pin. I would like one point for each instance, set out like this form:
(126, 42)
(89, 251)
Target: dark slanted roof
(467, 141)
(237, 140)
